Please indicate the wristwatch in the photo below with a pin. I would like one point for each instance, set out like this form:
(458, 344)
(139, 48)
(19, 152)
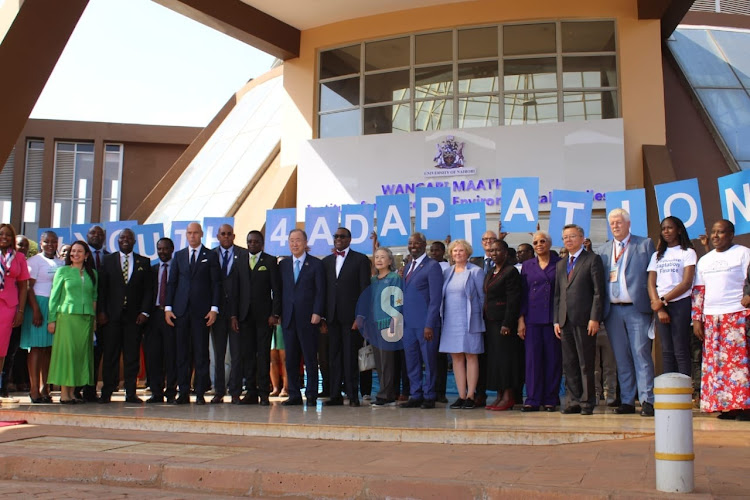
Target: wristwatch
(663, 301)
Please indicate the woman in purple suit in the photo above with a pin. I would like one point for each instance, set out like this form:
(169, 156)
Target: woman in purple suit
(543, 350)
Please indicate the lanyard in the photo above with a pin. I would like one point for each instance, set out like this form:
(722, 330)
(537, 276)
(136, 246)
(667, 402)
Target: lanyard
(622, 252)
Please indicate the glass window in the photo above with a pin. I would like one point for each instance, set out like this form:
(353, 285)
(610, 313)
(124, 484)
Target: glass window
(729, 110)
(343, 124)
(340, 62)
(530, 108)
(433, 81)
(387, 87)
(478, 77)
(388, 119)
(434, 47)
(386, 54)
(701, 59)
(590, 36)
(589, 71)
(433, 115)
(481, 111)
(530, 74)
(73, 187)
(736, 46)
(111, 182)
(525, 39)
(477, 43)
(339, 94)
(589, 105)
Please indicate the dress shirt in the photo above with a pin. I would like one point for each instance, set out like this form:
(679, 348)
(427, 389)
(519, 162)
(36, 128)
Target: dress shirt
(624, 297)
(161, 269)
(301, 260)
(415, 265)
(340, 261)
(257, 259)
(131, 262)
(229, 262)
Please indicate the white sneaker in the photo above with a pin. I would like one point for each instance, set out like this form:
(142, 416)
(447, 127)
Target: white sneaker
(8, 400)
(366, 397)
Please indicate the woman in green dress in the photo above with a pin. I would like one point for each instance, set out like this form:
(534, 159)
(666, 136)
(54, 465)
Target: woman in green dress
(72, 309)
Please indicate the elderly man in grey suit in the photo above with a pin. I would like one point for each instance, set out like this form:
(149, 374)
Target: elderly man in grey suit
(579, 290)
(627, 312)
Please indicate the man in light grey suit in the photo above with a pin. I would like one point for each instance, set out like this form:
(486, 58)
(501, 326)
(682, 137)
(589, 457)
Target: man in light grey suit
(579, 290)
(627, 312)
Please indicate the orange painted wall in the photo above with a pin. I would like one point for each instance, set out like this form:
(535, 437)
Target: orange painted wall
(639, 52)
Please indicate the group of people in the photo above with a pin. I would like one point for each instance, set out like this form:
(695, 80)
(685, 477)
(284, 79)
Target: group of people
(506, 322)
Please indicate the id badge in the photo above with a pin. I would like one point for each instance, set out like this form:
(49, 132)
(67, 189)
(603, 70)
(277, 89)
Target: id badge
(613, 275)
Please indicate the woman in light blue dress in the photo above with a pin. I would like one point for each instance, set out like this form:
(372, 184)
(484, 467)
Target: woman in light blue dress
(463, 324)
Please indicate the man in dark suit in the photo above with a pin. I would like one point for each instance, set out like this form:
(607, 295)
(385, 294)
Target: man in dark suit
(95, 238)
(193, 298)
(123, 304)
(627, 312)
(159, 342)
(423, 293)
(347, 276)
(229, 255)
(487, 265)
(302, 301)
(255, 314)
(579, 300)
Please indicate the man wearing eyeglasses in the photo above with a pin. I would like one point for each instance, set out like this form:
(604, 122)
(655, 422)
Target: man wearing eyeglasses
(347, 276)
(222, 330)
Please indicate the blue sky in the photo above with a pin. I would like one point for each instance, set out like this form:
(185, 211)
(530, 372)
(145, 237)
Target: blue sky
(134, 61)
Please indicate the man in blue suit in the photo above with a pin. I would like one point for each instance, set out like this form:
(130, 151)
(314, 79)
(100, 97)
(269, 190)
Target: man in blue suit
(193, 297)
(627, 312)
(423, 292)
(303, 292)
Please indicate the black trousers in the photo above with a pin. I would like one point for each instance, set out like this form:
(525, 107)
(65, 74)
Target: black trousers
(15, 341)
(89, 391)
(323, 364)
(122, 336)
(192, 333)
(160, 349)
(578, 357)
(343, 347)
(255, 344)
(221, 332)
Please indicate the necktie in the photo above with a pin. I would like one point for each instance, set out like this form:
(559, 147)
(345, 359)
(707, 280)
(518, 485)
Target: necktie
(618, 261)
(341, 253)
(487, 265)
(253, 261)
(571, 265)
(96, 256)
(163, 285)
(296, 270)
(192, 258)
(225, 262)
(125, 266)
(411, 268)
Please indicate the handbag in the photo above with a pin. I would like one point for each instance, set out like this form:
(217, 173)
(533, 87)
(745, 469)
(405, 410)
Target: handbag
(366, 357)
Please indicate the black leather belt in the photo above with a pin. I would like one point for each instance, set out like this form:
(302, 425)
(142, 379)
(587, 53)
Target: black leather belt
(621, 303)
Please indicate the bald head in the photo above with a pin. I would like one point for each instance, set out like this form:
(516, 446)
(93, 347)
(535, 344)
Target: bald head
(488, 238)
(225, 236)
(194, 233)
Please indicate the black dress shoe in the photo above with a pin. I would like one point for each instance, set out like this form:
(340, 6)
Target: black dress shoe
(89, 397)
(67, 401)
(183, 399)
(354, 402)
(104, 399)
(614, 404)
(549, 408)
(572, 409)
(34, 400)
(249, 399)
(469, 404)
(133, 399)
(428, 404)
(311, 401)
(528, 408)
(441, 399)
(412, 403)
(171, 400)
(588, 410)
(236, 400)
(383, 402)
(624, 409)
(155, 399)
(725, 415)
(334, 402)
(264, 401)
(457, 404)
(217, 400)
(200, 400)
(292, 402)
(647, 410)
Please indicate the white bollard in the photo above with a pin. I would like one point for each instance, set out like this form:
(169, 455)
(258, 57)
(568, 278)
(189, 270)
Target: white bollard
(673, 446)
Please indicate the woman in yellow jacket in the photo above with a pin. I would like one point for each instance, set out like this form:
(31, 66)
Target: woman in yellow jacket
(72, 309)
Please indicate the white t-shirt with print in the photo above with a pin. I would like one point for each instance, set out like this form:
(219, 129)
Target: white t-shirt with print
(723, 275)
(671, 268)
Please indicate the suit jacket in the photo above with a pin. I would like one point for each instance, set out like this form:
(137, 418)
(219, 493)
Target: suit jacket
(259, 289)
(155, 272)
(113, 290)
(479, 262)
(423, 295)
(503, 296)
(474, 294)
(70, 294)
(538, 290)
(197, 289)
(229, 282)
(637, 258)
(581, 298)
(342, 292)
(300, 300)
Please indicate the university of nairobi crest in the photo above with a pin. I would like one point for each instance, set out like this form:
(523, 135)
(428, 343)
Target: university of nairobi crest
(450, 154)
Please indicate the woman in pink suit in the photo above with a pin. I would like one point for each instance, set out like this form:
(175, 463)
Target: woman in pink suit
(14, 275)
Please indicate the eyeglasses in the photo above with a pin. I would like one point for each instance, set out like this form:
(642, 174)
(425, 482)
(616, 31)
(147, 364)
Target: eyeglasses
(340, 236)
(539, 242)
(489, 239)
(571, 237)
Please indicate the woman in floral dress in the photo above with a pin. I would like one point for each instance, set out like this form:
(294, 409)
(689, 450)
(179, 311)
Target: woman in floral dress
(720, 320)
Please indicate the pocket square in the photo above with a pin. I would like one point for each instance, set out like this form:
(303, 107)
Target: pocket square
(204, 260)
(140, 268)
(262, 268)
